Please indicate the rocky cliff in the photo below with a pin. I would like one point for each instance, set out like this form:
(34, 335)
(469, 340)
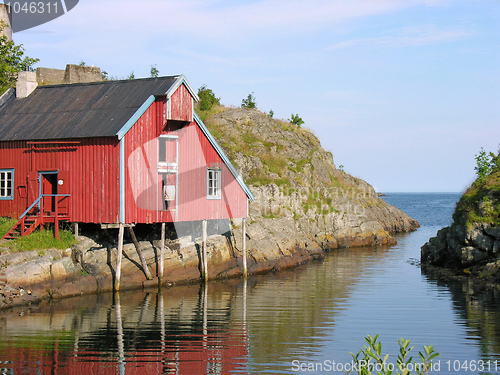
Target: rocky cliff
(301, 198)
(471, 245)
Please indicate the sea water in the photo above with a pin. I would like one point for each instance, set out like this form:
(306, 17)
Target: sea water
(301, 321)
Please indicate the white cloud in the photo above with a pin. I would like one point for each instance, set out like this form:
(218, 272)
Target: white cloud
(227, 19)
(407, 37)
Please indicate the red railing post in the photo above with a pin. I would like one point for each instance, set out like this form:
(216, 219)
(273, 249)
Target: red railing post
(41, 212)
(56, 221)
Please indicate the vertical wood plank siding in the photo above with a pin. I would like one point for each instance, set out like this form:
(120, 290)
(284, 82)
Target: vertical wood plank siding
(141, 198)
(196, 154)
(92, 168)
(90, 165)
(181, 105)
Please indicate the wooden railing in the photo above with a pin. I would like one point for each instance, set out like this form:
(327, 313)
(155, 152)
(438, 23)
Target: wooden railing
(56, 217)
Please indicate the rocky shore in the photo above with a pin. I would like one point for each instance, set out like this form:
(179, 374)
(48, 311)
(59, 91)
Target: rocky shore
(89, 267)
(471, 245)
(304, 206)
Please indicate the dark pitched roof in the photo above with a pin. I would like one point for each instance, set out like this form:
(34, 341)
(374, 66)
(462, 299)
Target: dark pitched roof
(97, 109)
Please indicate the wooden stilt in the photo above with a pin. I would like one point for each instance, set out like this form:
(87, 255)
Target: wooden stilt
(76, 231)
(118, 271)
(162, 323)
(56, 227)
(139, 252)
(245, 269)
(119, 338)
(205, 316)
(56, 223)
(204, 253)
(162, 252)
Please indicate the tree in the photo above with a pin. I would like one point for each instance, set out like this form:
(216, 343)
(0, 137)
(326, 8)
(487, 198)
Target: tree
(495, 160)
(207, 98)
(482, 167)
(12, 61)
(131, 75)
(154, 71)
(296, 120)
(486, 163)
(249, 102)
(271, 114)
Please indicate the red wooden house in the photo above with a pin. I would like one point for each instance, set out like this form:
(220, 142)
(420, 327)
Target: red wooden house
(131, 151)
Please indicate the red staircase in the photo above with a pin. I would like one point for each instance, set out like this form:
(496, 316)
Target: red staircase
(32, 218)
(22, 228)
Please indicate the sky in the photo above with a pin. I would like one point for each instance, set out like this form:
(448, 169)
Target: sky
(403, 93)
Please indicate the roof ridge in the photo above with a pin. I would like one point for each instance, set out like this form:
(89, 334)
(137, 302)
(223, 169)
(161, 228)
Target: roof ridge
(108, 81)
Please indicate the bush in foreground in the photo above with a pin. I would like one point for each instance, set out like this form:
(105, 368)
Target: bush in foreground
(370, 359)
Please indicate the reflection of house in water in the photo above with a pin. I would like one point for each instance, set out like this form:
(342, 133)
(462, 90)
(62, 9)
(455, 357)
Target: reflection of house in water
(189, 331)
(141, 333)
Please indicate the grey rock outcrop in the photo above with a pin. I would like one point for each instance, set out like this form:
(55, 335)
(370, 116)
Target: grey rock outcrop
(472, 243)
(301, 198)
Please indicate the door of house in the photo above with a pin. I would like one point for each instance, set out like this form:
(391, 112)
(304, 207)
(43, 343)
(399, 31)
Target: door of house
(33, 188)
(168, 172)
(48, 188)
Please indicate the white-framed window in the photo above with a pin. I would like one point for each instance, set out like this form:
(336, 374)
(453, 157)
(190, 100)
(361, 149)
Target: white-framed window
(213, 183)
(6, 184)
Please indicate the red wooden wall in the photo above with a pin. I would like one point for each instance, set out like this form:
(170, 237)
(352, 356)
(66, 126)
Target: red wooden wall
(89, 169)
(196, 154)
(141, 195)
(180, 105)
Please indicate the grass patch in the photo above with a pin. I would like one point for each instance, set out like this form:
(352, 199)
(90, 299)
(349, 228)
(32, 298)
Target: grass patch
(270, 215)
(259, 180)
(248, 137)
(204, 114)
(282, 182)
(487, 195)
(275, 164)
(5, 224)
(42, 239)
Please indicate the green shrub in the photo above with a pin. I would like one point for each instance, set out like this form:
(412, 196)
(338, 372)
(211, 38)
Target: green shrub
(486, 163)
(207, 98)
(154, 72)
(296, 120)
(249, 102)
(370, 359)
(12, 61)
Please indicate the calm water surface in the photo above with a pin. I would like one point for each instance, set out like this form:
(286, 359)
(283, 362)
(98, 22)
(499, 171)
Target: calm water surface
(272, 324)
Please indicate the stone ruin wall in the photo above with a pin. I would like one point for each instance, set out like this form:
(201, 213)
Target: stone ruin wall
(72, 74)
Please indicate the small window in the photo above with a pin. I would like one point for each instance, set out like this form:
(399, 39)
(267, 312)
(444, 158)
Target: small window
(213, 183)
(6, 184)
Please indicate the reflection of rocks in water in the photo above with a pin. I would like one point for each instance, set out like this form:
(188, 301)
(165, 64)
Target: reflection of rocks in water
(477, 303)
(290, 313)
(187, 326)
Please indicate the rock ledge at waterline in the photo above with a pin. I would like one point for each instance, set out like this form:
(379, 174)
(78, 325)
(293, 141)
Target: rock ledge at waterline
(471, 245)
(303, 207)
